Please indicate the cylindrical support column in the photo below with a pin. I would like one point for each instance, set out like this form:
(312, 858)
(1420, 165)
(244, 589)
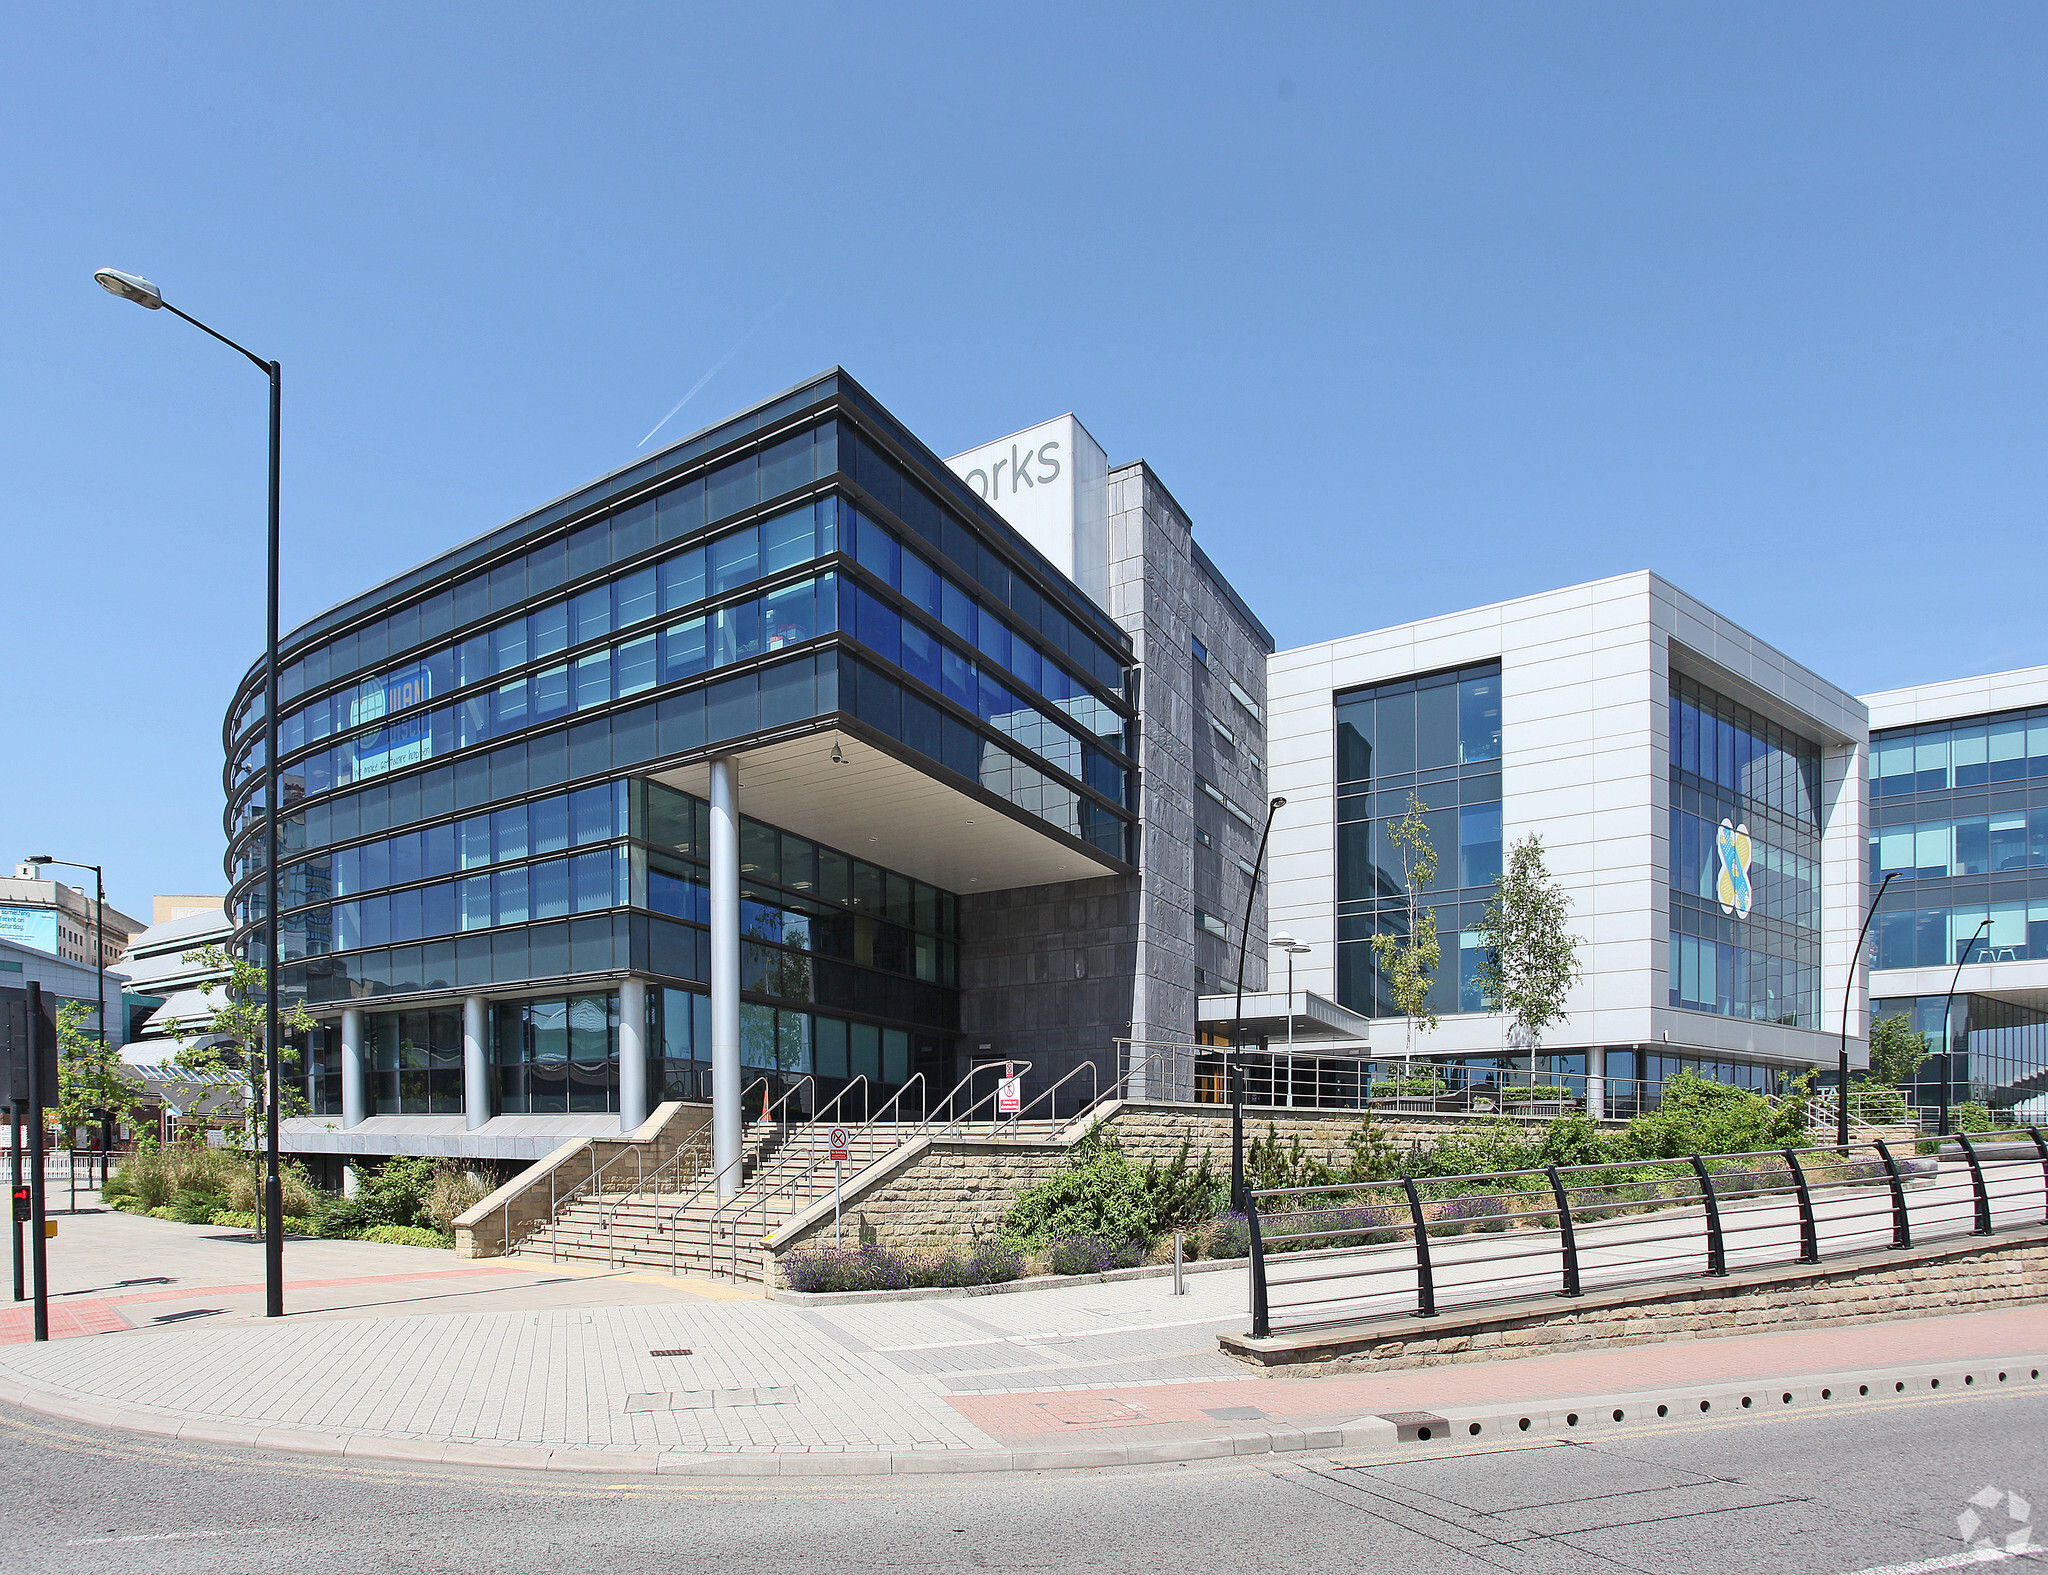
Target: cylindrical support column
(632, 1053)
(476, 1061)
(1596, 1081)
(355, 1073)
(725, 976)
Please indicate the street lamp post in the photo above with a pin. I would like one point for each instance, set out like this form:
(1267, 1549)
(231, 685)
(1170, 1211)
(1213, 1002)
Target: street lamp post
(1842, 1055)
(1293, 949)
(1237, 1197)
(129, 287)
(1948, 1038)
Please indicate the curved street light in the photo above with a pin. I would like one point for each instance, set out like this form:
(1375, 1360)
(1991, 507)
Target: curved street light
(1236, 1062)
(1948, 1038)
(133, 287)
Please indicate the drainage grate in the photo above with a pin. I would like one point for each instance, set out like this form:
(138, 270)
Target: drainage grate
(1410, 1426)
(710, 1399)
(681, 1350)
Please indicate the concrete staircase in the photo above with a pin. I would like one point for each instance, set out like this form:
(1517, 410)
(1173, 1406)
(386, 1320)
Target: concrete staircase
(678, 1226)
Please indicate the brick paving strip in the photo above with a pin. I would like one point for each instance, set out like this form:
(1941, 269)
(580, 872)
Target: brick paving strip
(1021, 1419)
(72, 1315)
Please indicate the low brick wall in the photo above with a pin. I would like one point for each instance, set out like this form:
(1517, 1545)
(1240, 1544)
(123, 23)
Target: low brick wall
(527, 1199)
(1953, 1275)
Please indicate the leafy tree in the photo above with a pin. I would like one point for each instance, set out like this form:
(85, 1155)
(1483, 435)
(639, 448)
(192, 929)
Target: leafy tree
(90, 1075)
(1897, 1050)
(1409, 961)
(1532, 960)
(228, 1047)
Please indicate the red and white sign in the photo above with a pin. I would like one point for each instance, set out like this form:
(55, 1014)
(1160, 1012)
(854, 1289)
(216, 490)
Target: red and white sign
(1009, 1096)
(840, 1149)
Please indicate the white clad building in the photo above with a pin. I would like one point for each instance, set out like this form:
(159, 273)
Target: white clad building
(1621, 721)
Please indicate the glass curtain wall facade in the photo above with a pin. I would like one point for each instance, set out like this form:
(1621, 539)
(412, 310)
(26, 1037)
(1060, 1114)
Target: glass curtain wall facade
(465, 754)
(1436, 737)
(1959, 811)
(1996, 1054)
(1736, 776)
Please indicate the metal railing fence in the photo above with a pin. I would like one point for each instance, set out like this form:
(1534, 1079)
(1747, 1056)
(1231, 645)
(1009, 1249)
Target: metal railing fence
(1353, 1252)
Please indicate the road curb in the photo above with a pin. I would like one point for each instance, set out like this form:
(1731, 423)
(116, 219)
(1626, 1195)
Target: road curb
(1550, 1417)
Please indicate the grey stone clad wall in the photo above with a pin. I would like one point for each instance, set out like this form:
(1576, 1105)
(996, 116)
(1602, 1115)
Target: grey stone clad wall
(1045, 975)
(1056, 974)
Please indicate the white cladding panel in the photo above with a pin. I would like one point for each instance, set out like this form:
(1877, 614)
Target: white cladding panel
(1585, 673)
(1051, 482)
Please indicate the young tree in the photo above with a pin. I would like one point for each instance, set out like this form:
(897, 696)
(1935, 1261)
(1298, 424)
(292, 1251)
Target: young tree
(229, 1046)
(1897, 1050)
(1532, 960)
(1409, 961)
(90, 1076)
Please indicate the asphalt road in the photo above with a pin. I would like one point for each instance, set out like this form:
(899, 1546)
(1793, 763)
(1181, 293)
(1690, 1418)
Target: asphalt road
(1868, 1484)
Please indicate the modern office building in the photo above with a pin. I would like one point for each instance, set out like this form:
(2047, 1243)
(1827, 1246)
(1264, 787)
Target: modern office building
(1959, 820)
(1699, 796)
(67, 981)
(789, 753)
(174, 992)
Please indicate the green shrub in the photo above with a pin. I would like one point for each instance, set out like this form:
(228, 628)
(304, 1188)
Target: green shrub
(341, 1219)
(1970, 1116)
(1269, 1163)
(1092, 1254)
(192, 1208)
(452, 1193)
(1417, 1085)
(396, 1192)
(1096, 1190)
(1878, 1105)
(236, 1219)
(406, 1236)
(1537, 1093)
(1695, 1116)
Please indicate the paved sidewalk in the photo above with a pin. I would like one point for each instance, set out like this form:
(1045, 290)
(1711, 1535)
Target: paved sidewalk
(678, 1381)
(111, 1271)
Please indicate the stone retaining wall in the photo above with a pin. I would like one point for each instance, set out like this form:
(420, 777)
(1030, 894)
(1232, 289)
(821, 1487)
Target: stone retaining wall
(931, 1193)
(1925, 1281)
(1150, 1129)
(939, 1193)
(527, 1200)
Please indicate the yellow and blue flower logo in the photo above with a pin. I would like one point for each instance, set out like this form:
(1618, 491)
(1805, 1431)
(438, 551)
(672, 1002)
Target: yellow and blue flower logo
(1733, 887)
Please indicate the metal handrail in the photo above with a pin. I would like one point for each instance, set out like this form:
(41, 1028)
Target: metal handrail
(1050, 1093)
(760, 1201)
(667, 1222)
(1348, 1242)
(694, 1146)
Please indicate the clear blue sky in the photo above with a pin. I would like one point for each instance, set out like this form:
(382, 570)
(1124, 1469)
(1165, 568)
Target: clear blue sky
(1413, 306)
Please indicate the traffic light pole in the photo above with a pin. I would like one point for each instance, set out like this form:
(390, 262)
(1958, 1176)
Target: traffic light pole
(38, 1247)
(15, 1184)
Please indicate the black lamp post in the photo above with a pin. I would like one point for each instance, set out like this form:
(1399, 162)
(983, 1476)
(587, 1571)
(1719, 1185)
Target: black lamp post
(1237, 1197)
(1947, 1035)
(131, 288)
(99, 924)
(1842, 1057)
